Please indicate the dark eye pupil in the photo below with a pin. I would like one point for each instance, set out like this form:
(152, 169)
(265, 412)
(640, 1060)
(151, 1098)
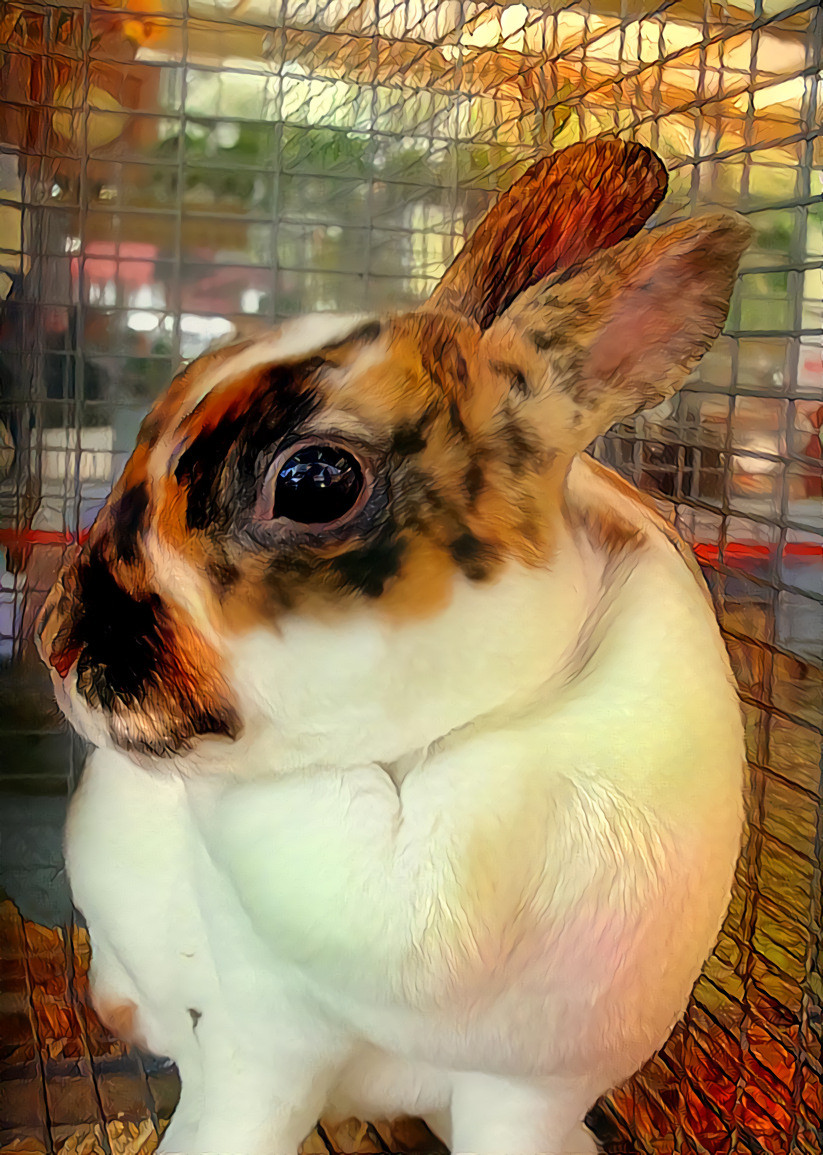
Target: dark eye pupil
(317, 484)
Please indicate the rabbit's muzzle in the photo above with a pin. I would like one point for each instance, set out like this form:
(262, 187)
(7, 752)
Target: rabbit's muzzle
(118, 649)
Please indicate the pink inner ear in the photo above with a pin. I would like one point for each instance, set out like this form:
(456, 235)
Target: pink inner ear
(628, 332)
(664, 299)
(583, 198)
(643, 315)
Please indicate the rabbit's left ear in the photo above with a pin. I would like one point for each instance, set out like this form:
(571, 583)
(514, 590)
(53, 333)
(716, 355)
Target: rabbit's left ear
(566, 207)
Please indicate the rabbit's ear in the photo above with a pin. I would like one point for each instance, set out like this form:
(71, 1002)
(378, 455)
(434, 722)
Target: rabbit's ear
(622, 331)
(567, 206)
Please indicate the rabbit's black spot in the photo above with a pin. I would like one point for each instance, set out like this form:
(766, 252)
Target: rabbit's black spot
(284, 578)
(475, 558)
(567, 274)
(281, 595)
(364, 335)
(130, 659)
(202, 722)
(221, 468)
(286, 402)
(456, 419)
(409, 439)
(222, 573)
(150, 431)
(129, 519)
(441, 358)
(118, 635)
(461, 370)
(368, 568)
(557, 342)
(200, 469)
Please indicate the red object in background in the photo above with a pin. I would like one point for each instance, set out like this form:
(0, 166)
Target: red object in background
(131, 263)
(20, 538)
(740, 551)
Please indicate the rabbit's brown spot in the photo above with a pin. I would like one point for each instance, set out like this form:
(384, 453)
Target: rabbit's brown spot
(474, 480)
(366, 334)
(120, 1017)
(613, 533)
(515, 375)
(428, 578)
(648, 507)
(541, 341)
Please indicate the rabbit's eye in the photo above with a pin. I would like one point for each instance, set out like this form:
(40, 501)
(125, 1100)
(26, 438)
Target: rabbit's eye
(317, 484)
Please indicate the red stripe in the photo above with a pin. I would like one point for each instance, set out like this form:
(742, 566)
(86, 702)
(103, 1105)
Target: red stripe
(21, 537)
(752, 551)
(705, 551)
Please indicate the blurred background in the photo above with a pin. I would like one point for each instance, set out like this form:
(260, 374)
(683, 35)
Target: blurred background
(174, 172)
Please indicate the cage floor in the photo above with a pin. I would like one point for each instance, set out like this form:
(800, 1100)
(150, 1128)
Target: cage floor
(70, 1088)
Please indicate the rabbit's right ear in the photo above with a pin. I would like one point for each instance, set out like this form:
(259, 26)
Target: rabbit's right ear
(584, 198)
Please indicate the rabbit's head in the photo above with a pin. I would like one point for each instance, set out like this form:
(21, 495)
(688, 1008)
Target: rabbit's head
(312, 547)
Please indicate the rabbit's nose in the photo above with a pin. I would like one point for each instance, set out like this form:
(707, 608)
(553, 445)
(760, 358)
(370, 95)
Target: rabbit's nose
(62, 660)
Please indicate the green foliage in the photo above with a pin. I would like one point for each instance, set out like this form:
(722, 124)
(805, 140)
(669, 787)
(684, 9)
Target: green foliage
(216, 169)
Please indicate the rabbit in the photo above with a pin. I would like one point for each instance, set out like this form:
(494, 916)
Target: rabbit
(417, 775)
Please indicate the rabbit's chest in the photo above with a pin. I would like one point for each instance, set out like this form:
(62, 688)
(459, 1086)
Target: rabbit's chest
(466, 934)
(477, 901)
(431, 896)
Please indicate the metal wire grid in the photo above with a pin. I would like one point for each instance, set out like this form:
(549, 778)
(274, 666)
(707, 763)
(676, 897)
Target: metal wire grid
(356, 194)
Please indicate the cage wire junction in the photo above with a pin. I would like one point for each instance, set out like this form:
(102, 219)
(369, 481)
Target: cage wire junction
(176, 171)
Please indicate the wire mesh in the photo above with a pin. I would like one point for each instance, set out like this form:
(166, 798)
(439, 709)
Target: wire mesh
(175, 171)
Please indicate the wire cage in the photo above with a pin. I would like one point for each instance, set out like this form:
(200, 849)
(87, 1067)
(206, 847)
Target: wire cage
(176, 171)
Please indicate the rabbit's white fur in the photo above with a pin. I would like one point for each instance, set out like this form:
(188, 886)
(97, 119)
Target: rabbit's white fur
(340, 931)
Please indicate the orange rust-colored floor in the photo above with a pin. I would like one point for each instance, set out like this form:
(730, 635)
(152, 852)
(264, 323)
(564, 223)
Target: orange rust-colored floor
(70, 1088)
